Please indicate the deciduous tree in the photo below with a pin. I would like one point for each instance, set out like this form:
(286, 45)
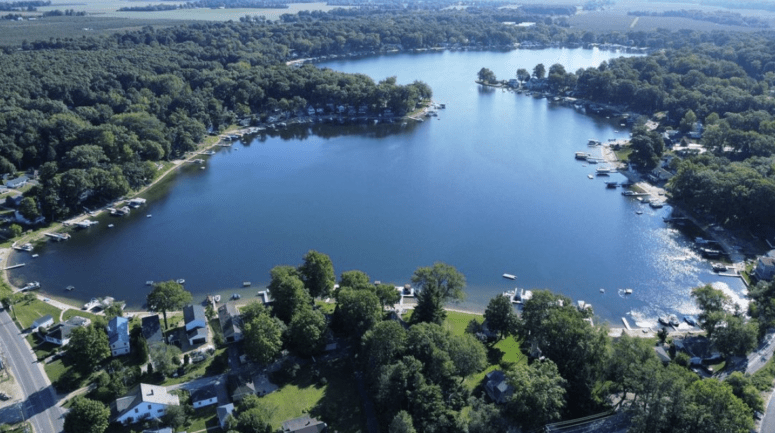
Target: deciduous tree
(317, 273)
(437, 285)
(167, 296)
(86, 416)
(88, 347)
(500, 316)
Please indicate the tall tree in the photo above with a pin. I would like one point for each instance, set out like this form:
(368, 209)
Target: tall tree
(523, 75)
(318, 275)
(356, 312)
(306, 334)
(539, 394)
(437, 285)
(88, 347)
(500, 316)
(402, 423)
(289, 295)
(167, 296)
(86, 416)
(263, 338)
(539, 71)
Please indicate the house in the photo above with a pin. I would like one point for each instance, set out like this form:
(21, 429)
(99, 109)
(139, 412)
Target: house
(204, 396)
(18, 182)
(196, 324)
(223, 414)
(241, 386)
(44, 321)
(146, 401)
(765, 268)
(231, 322)
(496, 387)
(194, 316)
(118, 336)
(662, 354)
(60, 334)
(304, 424)
(151, 328)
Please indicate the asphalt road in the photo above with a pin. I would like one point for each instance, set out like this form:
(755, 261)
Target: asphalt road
(40, 398)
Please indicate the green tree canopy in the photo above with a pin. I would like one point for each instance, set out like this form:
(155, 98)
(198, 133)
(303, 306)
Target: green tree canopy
(318, 275)
(306, 334)
(167, 296)
(86, 416)
(356, 312)
(539, 394)
(88, 347)
(501, 317)
(263, 338)
(486, 76)
(288, 292)
(437, 285)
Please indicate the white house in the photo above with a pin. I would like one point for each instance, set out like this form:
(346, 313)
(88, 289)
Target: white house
(60, 334)
(118, 336)
(204, 396)
(44, 321)
(18, 182)
(145, 402)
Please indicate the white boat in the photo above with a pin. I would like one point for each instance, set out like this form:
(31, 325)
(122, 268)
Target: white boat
(628, 291)
(509, 276)
(246, 284)
(181, 281)
(148, 216)
(35, 255)
(602, 290)
(149, 283)
(110, 226)
(717, 267)
(70, 288)
(217, 298)
(31, 286)
(91, 304)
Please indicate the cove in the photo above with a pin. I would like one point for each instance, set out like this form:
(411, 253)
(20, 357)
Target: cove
(490, 187)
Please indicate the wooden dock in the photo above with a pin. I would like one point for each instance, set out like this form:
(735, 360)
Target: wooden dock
(14, 266)
(58, 236)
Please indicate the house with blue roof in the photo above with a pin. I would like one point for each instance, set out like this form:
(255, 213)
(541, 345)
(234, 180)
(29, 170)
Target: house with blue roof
(118, 336)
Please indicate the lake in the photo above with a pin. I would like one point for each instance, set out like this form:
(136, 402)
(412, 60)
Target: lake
(491, 186)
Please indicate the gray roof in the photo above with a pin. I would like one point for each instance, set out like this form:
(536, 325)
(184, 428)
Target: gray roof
(145, 394)
(118, 330)
(41, 320)
(194, 312)
(197, 333)
(304, 424)
(231, 322)
(152, 329)
(204, 393)
(223, 412)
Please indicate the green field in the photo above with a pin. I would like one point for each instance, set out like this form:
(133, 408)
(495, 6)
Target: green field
(28, 312)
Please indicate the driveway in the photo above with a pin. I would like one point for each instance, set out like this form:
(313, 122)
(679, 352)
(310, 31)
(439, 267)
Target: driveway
(39, 397)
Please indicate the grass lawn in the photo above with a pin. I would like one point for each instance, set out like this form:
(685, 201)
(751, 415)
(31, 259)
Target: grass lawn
(55, 370)
(204, 418)
(326, 307)
(73, 312)
(456, 322)
(211, 366)
(28, 312)
(624, 153)
(42, 348)
(336, 402)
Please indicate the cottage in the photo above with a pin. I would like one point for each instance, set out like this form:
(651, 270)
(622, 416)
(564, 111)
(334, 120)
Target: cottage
(224, 412)
(18, 182)
(146, 401)
(60, 334)
(231, 322)
(44, 322)
(497, 387)
(118, 336)
(204, 396)
(151, 328)
(765, 268)
(196, 324)
(304, 424)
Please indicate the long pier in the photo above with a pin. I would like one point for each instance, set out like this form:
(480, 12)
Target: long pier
(14, 266)
(58, 236)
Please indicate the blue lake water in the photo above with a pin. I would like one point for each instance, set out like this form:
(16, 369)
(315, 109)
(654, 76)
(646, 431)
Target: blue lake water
(490, 186)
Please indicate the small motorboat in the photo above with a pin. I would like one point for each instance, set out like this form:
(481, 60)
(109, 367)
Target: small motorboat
(180, 281)
(70, 288)
(246, 284)
(628, 291)
(217, 298)
(236, 296)
(719, 267)
(149, 283)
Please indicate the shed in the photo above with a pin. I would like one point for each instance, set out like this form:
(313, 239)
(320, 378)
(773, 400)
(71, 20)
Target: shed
(44, 321)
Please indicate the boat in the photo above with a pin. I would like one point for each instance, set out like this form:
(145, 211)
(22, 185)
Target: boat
(180, 281)
(148, 216)
(628, 291)
(664, 320)
(246, 284)
(26, 247)
(656, 204)
(592, 160)
(217, 298)
(690, 320)
(602, 290)
(604, 170)
(611, 184)
(708, 252)
(236, 296)
(31, 286)
(91, 304)
(581, 155)
(593, 142)
(136, 202)
(110, 226)
(638, 212)
(509, 276)
(149, 283)
(673, 320)
(718, 267)
(590, 176)
(628, 193)
(70, 288)
(35, 255)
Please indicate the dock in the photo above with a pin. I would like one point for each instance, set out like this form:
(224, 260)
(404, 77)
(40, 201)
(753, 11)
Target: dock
(626, 323)
(14, 266)
(85, 224)
(58, 236)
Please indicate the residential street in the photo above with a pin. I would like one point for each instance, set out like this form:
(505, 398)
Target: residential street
(39, 399)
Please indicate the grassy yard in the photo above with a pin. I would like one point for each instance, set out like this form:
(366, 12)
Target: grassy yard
(204, 418)
(55, 370)
(28, 312)
(326, 307)
(40, 346)
(73, 312)
(624, 153)
(211, 366)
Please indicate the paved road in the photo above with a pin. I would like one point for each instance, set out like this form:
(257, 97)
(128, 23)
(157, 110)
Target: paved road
(39, 400)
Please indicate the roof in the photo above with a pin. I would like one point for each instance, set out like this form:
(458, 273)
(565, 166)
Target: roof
(241, 386)
(77, 321)
(197, 333)
(152, 329)
(304, 424)
(497, 386)
(18, 180)
(231, 323)
(767, 261)
(204, 393)
(223, 412)
(161, 430)
(118, 330)
(41, 320)
(194, 312)
(145, 393)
